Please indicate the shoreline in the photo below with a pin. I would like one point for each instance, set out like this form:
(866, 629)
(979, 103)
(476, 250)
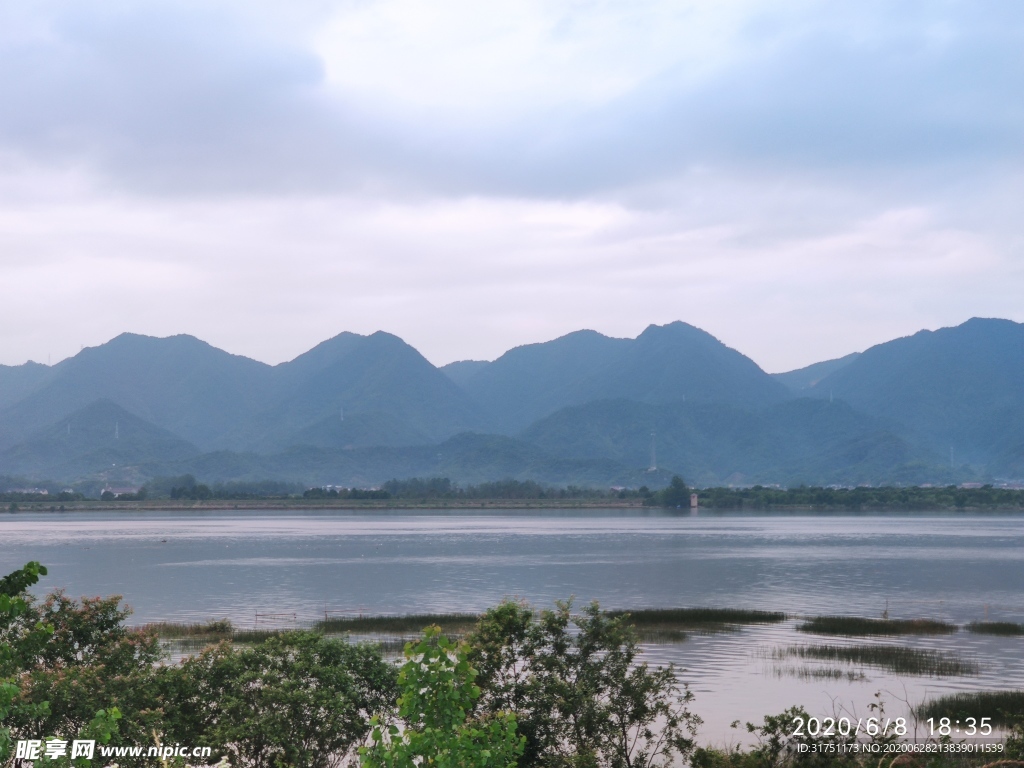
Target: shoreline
(167, 505)
(287, 505)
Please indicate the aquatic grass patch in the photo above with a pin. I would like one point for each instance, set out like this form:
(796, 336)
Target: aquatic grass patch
(894, 658)
(820, 673)
(189, 639)
(996, 628)
(256, 635)
(855, 626)
(390, 647)
(187, 646)
(1004, 708)
(451, 623)
(199, 635)
(170, 629)
(658, 635)
(659, 625)
(693, 617)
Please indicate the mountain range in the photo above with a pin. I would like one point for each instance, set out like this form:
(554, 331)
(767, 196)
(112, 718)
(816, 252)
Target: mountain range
(935, 407)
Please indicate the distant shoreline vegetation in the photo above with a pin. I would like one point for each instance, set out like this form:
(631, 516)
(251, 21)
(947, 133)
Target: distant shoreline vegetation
(885, 498)
(184, 491)
(409, 492)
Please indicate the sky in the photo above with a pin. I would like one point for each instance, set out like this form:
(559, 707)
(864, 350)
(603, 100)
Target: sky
(801, 179)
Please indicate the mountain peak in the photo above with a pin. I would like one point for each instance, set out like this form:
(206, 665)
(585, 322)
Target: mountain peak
(675, 331)
(129, 348)
(665, 363)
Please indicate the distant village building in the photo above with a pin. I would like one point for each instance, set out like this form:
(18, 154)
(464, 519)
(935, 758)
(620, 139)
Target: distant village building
(117, 492)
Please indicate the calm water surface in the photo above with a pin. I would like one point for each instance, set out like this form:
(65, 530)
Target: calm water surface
(196, 566)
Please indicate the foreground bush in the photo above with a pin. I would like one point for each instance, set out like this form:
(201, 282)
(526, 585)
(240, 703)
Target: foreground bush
(436, 730)
(72, 670)
(298, 700)
(60, 661)
(577, 692)
(90, 662)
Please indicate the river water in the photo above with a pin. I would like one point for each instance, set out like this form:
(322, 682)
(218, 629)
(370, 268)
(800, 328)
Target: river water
(288, 568)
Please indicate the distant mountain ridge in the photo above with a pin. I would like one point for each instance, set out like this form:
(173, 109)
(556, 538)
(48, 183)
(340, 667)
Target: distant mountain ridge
(95, 439)
(958, 388)
(811, 441)
(578, 409)
(805, 378)
(377, 378)
(18, 381)
(462, 371)
(180, 383)
(664, 364)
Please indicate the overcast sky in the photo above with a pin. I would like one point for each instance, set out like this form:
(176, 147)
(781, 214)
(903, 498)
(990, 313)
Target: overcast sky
(801, 179)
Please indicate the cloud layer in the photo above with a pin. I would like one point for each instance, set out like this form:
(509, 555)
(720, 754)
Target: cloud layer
(801, 179)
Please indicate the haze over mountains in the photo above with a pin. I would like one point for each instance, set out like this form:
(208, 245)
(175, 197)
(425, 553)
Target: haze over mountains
(938, 406)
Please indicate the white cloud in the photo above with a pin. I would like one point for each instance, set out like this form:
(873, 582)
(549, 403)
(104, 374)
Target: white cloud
(801, 179)
(495, 59)
(471, 277)
(530, 98)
